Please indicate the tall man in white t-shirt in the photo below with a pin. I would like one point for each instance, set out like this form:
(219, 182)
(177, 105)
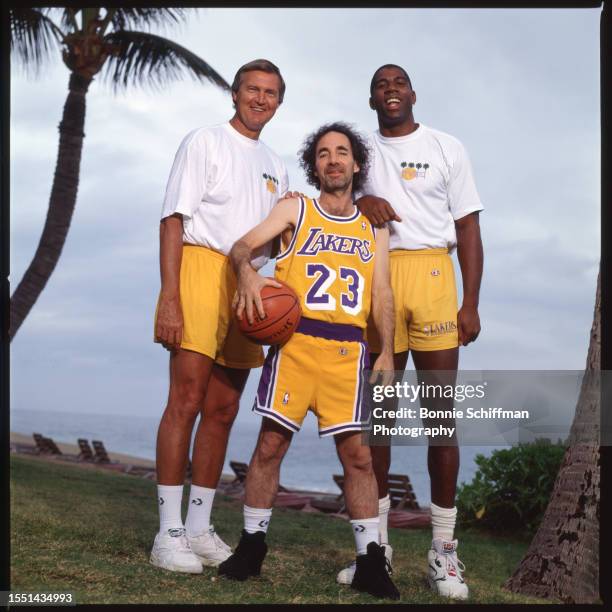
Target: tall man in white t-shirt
(432, 206)
(224, 182)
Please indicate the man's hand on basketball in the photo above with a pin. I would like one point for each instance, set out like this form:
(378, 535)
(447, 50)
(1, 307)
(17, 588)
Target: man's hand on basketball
(383, 368)
(169, 323)
(377, 210)
(468, 324)
(248, 292)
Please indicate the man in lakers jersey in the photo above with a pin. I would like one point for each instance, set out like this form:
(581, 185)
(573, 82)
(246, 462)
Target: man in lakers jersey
(338, 266)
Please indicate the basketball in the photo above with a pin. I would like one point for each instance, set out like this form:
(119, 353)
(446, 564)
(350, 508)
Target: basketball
(283, 312)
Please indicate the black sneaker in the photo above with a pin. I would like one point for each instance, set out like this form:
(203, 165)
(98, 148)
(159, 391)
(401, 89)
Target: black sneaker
(247, 559)
(371, 575)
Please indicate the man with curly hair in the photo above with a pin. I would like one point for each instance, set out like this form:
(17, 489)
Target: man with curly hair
(338, 266)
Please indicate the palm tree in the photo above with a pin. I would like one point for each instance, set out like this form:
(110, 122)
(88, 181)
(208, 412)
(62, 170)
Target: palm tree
(91, 39)
(562, 561)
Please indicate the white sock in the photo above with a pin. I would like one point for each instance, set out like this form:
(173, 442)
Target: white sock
(198, 512)
(256, 519)
(384, 506)
(443, 522)
(169, 498)
(365, 531)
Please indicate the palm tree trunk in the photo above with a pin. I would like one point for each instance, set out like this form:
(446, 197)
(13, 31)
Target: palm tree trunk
(61, 204)
(562, 561)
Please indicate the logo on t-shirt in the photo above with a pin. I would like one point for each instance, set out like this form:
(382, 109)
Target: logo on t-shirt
(271, 182)
(413, 170)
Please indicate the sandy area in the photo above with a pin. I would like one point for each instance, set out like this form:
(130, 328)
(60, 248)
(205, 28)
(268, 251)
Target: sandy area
(73, 449)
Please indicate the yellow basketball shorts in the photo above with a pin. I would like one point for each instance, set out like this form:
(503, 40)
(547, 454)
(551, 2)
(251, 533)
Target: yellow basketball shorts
(321, 368)
(425, 297)
(207, 286)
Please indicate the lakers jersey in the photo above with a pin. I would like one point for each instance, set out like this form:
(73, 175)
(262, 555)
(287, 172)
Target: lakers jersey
(329, 263)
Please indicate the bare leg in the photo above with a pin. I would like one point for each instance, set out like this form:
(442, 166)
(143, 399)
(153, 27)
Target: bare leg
(360, 490)
(221, 405)
(381, 455)
(264, 469)
(189, 376)
(442, 461)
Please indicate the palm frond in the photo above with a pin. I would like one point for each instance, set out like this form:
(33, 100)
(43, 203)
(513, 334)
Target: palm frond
(131, 18)
(69, 19)
(33, 36)
(147, 59)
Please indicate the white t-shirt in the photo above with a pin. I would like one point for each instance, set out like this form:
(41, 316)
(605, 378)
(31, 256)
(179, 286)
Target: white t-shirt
(223, 184)
(427, 177)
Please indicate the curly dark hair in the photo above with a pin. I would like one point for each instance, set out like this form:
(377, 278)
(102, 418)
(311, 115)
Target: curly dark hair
(359, 147)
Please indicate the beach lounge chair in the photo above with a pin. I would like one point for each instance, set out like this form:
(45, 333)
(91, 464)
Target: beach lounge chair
(329, 503)
(401, 495)
(86, 453)
(240, 469)
(41, 445)
(52, 446)
(45, 446)
(101, 456)
(142, 471)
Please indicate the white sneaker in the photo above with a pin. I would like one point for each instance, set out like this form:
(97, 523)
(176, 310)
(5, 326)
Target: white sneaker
(345, 576)
(210, 549)
(445, 570)
(171, 551)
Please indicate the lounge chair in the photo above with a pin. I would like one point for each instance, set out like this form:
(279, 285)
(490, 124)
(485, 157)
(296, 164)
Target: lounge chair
(331, 504)
(41, 445)
(101, 456)
(240, 469)
(45, 446)
(401, 495)
(53, 449)
(142, 471)
(86, 453)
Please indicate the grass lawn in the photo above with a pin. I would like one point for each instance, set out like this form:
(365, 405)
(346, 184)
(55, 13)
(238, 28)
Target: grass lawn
(90, 532)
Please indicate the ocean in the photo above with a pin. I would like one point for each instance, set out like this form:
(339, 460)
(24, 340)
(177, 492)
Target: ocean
(310, 462)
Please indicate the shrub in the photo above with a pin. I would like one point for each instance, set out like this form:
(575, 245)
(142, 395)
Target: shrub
(511, 488)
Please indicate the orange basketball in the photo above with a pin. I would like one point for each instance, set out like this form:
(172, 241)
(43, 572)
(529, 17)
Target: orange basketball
(283, 312)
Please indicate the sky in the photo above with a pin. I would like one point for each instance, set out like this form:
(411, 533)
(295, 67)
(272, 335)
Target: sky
(519, 88)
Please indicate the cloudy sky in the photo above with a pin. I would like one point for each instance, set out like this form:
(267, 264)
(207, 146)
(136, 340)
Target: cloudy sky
(519, 88)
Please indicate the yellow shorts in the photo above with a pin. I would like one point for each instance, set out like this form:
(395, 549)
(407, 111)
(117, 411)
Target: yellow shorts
(207, 287)
(425, 297)
(323, 373)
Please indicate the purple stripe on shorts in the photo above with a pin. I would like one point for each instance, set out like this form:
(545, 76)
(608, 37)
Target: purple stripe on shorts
(276, 417)
(362, 358)
(267, 376)
(341, 428)
(330, 331)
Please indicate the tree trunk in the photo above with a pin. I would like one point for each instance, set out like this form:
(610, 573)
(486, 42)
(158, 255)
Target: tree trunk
(61, 204)
(563, 559)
